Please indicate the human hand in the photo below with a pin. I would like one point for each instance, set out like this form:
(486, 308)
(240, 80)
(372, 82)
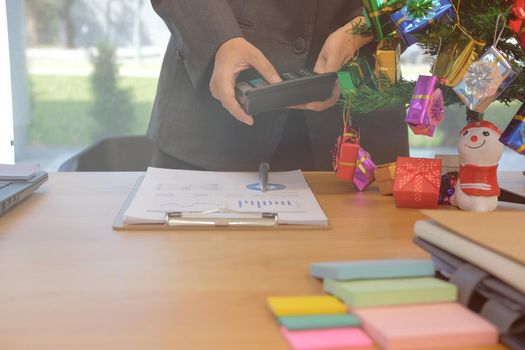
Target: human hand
(339, 48)
(233, 57)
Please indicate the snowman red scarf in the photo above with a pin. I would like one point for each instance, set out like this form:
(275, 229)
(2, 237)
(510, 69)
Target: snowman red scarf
(480, 180)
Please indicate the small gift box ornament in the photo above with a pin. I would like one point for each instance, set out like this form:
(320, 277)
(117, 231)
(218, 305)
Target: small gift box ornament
(517, 21)
(486, 78)
(345, 155)
(457, 53)
(417, 183)
(378, 12)
(514, 135)
(416, 15)
(385, 175)
(427, 108)
(388, 67)
(364, 171)
(354, 74)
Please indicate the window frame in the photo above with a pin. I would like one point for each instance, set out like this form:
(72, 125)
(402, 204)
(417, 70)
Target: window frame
(7, 150)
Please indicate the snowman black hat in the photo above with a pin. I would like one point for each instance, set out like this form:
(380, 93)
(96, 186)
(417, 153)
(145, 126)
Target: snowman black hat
(481, 124)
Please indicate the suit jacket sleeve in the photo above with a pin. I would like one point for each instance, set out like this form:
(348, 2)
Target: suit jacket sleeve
(199, 27)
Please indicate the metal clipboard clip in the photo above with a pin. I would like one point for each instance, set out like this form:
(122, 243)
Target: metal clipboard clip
(221, 218)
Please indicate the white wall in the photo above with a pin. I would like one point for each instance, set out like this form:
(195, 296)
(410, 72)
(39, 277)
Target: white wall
(7, 154)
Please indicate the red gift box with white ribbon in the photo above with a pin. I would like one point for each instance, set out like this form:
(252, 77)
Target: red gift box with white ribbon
(417, 183)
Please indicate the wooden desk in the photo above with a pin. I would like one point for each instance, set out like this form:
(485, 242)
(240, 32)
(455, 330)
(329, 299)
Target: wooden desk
(68, 281)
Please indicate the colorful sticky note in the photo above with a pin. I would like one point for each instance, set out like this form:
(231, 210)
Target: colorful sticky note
(428, 326)
(337, 338)
(372, 269)
(319, 321)
(306, 305)
(363, 293)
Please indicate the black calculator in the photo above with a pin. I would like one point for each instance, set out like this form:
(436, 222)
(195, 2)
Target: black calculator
(257, 96)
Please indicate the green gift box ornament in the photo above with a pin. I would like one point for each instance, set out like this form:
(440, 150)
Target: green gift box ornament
(377, 13)
(354, 74)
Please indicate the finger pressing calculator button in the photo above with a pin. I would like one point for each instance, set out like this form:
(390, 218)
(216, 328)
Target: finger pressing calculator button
(305, 73)
(289, 76)
(259, 82)
(243, 87)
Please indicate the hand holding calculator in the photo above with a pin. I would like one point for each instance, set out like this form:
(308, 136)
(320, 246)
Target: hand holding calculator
(257, 96)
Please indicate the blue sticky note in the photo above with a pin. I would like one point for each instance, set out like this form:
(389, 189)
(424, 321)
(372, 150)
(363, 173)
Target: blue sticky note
(319, 321)
(372, 269)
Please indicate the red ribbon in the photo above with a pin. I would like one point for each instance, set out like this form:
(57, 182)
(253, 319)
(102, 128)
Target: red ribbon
(417, 170)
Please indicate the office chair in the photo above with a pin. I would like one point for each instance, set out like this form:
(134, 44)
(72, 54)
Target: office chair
(124, 153)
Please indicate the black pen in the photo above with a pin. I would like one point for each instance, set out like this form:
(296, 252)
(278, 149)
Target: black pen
(264, 169)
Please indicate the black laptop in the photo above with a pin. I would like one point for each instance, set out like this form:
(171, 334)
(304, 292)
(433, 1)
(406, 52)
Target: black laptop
(13, 192)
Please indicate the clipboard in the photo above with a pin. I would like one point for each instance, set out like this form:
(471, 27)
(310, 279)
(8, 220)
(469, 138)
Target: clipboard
(265, 221)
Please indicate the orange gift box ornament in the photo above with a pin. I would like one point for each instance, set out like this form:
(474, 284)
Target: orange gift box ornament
(417, 183)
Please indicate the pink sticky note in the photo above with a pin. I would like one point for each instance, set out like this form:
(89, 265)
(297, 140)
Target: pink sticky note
(333, 338)
(426, 326)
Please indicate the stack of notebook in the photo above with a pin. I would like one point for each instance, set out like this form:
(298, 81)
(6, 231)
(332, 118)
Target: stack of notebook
(484, 255)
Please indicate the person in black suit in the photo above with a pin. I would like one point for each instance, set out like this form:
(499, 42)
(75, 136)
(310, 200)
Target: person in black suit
(196, 122)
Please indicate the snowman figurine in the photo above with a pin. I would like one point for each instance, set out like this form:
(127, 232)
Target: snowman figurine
(479, 150)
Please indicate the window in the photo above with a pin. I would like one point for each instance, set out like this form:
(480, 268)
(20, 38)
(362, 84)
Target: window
(86, 70)
(6, 113)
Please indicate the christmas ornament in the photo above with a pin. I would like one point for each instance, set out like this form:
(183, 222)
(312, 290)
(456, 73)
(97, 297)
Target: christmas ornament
(419, 8)
(385, 175)
(377, 13)
(388, 67)
(346, 149)
(479, 149)
(354, 74)
(516, 21)
(345, 155)
(448, 183)
(426, 109)
(514, 135)
(364, 171)
(486, 78)
(482, 79)
(418, 14)
(457, 53)
(417, 183)
(436, 109)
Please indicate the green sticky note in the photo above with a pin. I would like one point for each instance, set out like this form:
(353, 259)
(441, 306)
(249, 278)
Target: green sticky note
(395, 291)
(319, 321)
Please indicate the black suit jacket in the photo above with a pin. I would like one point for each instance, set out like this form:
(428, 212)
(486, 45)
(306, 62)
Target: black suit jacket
(189, 124)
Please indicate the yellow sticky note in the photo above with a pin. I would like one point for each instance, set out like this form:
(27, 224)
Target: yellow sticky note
(306, 305)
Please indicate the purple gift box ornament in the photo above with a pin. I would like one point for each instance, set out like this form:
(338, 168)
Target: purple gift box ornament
(418, 118)
(364, 170)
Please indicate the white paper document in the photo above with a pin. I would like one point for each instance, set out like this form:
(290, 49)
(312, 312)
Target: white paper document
(167, 190)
